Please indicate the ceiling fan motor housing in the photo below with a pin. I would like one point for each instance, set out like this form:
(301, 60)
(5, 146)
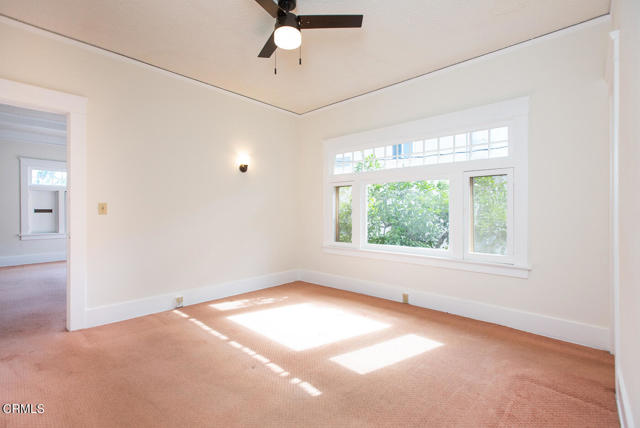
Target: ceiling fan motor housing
(289, 20)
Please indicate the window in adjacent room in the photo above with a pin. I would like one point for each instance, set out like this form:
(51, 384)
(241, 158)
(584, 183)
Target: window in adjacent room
(43, 189)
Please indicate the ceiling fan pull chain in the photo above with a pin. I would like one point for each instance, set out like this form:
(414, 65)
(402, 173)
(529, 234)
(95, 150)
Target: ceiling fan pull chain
(300, 56)
(275, 67)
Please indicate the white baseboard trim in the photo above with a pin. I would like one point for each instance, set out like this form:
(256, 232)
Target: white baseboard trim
(136, 308)
(28, 259)
(544, 325)
(623, 402)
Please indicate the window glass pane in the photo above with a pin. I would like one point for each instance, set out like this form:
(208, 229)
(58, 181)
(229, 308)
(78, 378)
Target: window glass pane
(480, 137)
(379, 158)
(461, 147)
(390, 161)
(499, 150)
(48, 178)
(500, 134)
(431, 145)
(489, 199)
(343, 214)
(409, 214)
(446, 150)
(479, 151)
(347, 163)
(337, 167)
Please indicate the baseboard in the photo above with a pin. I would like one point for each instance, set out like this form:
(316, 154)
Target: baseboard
(623, 402)
(28, 259)
(136, 308)
(544, 325)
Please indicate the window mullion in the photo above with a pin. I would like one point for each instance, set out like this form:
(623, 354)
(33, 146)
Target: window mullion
(457, 215)
(358, 213)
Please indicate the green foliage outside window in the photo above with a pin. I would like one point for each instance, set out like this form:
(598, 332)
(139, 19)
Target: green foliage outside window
(410, 214)
(490, 214)
(343, 231)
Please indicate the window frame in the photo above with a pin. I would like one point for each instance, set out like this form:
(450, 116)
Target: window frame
(468, 218)
(336, 213)
(511, 113)
(27, 165)
(364, 233)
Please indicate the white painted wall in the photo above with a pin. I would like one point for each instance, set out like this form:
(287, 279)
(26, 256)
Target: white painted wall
(161, 152)
(626, 14)
(568, 174)
(12, 249)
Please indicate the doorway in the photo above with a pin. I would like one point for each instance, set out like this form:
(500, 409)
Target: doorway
(33, 244)
(52, 191)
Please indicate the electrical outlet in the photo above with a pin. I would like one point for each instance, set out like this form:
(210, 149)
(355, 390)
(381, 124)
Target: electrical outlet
(405, 298)
(179, 301)
(102, 208)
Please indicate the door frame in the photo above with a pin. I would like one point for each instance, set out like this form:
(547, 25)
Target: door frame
(75, 108)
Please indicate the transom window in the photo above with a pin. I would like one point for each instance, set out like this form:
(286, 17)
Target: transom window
(472, 145)
(453, 197)
(45, 177)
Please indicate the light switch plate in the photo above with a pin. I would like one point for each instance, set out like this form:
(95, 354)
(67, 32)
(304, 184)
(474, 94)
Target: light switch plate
(102, 208)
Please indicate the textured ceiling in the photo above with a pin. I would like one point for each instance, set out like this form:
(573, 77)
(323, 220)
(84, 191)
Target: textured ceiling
(217, 41)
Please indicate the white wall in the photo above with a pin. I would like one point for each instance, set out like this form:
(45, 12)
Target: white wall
(626, 15)
(12, 249)
(568, 174)
(161, 153)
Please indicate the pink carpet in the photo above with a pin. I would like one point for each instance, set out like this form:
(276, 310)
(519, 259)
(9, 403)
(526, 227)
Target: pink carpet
(298, 355)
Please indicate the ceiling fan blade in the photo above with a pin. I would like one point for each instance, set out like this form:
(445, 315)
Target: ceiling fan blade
(268, 48)
(330, 21)
(269, 6)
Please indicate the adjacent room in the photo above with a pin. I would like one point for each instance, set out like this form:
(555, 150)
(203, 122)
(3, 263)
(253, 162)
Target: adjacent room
(281, 213)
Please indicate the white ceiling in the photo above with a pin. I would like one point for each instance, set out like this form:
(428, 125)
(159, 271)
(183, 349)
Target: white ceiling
(22, 125)
(218, 41)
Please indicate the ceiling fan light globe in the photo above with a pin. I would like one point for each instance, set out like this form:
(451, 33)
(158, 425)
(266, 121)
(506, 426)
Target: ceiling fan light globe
(287, 37)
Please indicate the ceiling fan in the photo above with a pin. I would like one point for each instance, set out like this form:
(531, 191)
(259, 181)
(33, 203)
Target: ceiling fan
(288, 25)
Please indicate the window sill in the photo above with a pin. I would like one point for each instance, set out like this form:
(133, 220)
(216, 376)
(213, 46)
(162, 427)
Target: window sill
(515, 271)
(31, 236)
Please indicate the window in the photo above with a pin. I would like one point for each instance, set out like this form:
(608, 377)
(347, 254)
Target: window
(440, 191)
(409, 214)
(43, 188)
(480, 144)
(343, 213)
(490, 215)
(48, 178)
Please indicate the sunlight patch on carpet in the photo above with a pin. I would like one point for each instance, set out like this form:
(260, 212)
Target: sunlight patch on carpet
(371, 358)
(306, 325)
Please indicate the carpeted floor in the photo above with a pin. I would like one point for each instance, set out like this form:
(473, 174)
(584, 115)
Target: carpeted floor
(298, 355)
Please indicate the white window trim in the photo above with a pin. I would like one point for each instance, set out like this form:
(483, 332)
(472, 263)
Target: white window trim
(470, 255)
(512, 113)
(26, 166)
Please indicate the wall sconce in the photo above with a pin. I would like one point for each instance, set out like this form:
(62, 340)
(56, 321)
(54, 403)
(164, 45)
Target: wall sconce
(243, 162)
